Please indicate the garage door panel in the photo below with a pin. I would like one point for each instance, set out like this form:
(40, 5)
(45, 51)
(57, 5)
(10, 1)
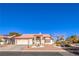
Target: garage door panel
(24, 42)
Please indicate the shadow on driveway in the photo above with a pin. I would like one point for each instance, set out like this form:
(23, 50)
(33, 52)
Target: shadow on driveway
(74, 50)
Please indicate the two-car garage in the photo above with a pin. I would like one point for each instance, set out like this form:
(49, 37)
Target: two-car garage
(23, 41)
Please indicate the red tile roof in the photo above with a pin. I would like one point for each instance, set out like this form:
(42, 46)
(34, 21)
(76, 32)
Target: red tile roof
(32, 35)
(25, 36)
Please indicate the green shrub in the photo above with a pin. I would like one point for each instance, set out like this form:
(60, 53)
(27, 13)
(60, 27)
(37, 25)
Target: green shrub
(1, 41)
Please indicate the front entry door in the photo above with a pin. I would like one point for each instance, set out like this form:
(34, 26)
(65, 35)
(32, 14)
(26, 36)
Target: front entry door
(38, 41)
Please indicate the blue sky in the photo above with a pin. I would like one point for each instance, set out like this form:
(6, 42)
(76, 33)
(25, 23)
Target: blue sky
(35, 18)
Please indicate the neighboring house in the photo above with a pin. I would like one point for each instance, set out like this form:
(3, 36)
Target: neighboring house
(1, 40)
(7, 39)
(34, 39)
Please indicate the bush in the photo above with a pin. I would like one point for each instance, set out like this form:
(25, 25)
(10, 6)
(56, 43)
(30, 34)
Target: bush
(67, 45)
(58, 44)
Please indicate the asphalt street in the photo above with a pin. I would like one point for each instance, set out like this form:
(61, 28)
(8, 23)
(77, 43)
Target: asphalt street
(10, 53)
(30, 54)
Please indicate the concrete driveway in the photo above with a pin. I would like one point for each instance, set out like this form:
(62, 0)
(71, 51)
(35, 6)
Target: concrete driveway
(17, 47)
(12, 47)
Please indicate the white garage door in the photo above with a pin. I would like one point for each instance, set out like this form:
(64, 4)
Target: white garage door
(24, 42)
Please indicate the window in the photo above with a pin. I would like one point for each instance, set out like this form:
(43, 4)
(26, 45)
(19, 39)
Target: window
(47, 41)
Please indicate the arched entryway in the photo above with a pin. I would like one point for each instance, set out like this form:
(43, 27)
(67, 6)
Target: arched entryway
(38, 41)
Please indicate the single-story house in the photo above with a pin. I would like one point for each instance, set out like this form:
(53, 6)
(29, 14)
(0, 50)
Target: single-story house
(33, 39)
(30, 39)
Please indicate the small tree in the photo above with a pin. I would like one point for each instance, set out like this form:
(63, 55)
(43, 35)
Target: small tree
(14, 33)
(74, 39)
(0, 41)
